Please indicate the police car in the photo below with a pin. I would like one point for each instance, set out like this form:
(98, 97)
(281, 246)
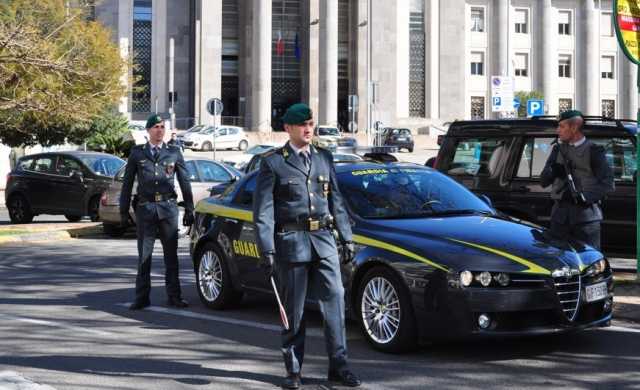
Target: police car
(433, 261)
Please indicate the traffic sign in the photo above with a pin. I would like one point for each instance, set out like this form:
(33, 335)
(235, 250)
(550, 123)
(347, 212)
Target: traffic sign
(215, 106)
(516, 103)
(535, 107)
(502, 91)
(626, 19)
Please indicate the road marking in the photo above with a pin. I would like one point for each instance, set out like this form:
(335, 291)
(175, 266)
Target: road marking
(313, 332)
(622, 329)
(55, 324)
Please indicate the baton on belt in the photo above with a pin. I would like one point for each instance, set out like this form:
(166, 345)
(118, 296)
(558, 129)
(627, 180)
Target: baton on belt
(283, 314)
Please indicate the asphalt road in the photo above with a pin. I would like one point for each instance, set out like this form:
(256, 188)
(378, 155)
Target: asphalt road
(64, 323)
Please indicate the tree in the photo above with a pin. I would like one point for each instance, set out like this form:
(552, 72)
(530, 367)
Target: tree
(524, 97)
(109, 134)
(58, 71)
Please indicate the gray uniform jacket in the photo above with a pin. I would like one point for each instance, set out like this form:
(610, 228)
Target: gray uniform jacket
(156, 177)
(592, 175)
(287, 194)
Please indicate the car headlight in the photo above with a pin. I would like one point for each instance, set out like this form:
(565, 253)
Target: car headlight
(502, 279)
(466, 278)
(596, 268)
(484, 278)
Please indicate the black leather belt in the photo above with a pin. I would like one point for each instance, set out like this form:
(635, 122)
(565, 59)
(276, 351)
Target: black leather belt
(309, 225)
(157, 197)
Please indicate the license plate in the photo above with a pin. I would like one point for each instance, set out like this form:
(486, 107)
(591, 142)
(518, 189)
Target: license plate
(595, 292)
(402, 139)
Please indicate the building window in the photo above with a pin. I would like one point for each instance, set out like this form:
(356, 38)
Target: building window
(477, 63)
(564, 105)
(522, 64)
(564, 66)
(416, 64)
(606, 24)
(141, 97)
(564, 22)
(522, 21)
(477, 107)
(477, 19)
(609, 108)
(606, 67)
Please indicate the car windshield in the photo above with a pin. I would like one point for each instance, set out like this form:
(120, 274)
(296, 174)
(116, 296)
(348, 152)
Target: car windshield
(257, 149)
(328, 131)
(195, 129)
(405, 192)
(103, 165)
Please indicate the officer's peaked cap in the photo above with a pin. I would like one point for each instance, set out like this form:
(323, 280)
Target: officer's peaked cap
(297, 113)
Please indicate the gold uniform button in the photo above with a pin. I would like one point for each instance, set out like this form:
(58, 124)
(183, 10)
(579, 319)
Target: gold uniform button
(311, 194)
(156, 164)
(156, 183)
(313, 208)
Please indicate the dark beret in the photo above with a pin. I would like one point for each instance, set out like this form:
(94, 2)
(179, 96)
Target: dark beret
(570, 114)
(297, 113)
(153, 120)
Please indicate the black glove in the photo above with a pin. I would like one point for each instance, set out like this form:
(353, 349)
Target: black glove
(348, 252)
(266, 263)
(558, 170)
(188, 218)
(124, 220)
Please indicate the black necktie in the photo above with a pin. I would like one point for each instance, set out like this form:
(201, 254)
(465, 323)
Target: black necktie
(154, 151)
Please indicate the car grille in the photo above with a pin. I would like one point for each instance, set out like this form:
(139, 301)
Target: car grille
(568, 290)
(345, 142)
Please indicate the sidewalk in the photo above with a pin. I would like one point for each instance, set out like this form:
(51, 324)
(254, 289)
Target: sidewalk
(43, 232)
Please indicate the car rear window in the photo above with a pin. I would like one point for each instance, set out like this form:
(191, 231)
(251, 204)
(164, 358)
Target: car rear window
(477, 156)
(24, 164)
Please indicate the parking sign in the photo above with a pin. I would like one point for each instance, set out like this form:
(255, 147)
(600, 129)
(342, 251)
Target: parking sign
(502, 90)
(535, 107)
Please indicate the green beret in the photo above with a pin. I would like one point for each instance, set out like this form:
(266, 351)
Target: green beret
(297, 113)
(153, 120)
(570, 114)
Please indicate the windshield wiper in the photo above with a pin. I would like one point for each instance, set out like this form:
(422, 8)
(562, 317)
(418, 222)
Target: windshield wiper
(460, 212)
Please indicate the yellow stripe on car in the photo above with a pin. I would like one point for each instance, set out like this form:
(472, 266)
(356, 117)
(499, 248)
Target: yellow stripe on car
(532, 267)
(358, 239)
(224, 211)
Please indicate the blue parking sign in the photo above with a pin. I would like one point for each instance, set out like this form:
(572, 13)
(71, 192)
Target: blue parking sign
(535, 107)
(497, 101)
(516, 103)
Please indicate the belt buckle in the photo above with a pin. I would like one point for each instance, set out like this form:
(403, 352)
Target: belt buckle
(314, 225)
(157, 197)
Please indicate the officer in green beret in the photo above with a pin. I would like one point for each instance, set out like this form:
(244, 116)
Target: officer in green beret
(296, 205)
(155, 164)
(580, 178)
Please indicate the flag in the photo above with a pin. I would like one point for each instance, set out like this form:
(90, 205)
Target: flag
(280, 44)
(296, 48)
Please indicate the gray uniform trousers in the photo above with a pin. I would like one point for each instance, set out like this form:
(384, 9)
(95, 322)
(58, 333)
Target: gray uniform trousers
(319, 279)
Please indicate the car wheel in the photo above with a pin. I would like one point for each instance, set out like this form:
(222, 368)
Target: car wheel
(410, 149)
(213, 279)
(207, 147)
(385, 312)
(94, 205)
(243, 145)
(113, 230)
(19, 209)
(73, 218)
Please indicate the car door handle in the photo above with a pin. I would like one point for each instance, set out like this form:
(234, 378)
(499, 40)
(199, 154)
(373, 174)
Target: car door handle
(231, 220)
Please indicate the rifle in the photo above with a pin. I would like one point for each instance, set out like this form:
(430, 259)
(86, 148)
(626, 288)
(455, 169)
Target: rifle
(576, 196)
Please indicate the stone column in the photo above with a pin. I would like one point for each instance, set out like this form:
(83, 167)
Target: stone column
(125, 42)
(261, 67)
(548, 49)
(309, 39)
(432, 58)
(502, 30)
(628, 96)
(208, 57)
(159, 44)
(452, 65)
(328, 82)
(590, 64)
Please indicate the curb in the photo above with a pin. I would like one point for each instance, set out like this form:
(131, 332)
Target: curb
(55, 235)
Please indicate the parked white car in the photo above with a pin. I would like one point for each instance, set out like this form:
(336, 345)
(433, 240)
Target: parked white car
(226, 137)
(240, 160)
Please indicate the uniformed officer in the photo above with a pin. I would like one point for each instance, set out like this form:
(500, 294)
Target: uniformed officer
(155, 165)
(296, 202)
(576, 214)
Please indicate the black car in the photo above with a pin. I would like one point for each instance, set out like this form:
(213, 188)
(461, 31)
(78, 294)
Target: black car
(67, 183)
(504, 158)
(433, 261)
(401, 138)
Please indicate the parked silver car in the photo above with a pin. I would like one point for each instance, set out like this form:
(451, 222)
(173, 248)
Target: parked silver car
(204, 174)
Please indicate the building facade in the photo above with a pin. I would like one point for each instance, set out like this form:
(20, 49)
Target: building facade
(418, 62)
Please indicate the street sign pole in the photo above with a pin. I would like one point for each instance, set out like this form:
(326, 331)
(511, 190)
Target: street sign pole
(626, 19)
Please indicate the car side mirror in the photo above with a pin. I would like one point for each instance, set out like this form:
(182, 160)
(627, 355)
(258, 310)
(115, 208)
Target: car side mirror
(78, 176)
(486, 200)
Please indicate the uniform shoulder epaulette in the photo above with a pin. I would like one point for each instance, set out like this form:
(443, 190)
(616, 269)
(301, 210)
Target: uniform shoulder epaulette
(270, 152)
(138, 147)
